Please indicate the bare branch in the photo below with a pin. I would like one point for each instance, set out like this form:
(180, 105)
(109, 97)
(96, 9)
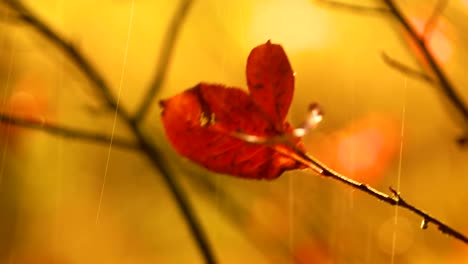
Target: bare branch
(71, 52)
(443, 81)
(163, 62)
(447, 87)
(395, 199)
(432, 21)
(151, 151)
(156, 157)
(354, 7)
(463, 139)
(66, 132)
(405, 69)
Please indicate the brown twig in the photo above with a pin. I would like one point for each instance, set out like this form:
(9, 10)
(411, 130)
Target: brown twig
(67, 48)
(432, 20)
(163, 62)
(395, 199)
(160, 164)
(150, 150)
(354, 7)
(443, 81)
(405, 69)
(447, 87)
(67, 132)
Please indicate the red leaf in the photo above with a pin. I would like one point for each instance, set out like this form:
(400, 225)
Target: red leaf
(271, 81)
(204, 123)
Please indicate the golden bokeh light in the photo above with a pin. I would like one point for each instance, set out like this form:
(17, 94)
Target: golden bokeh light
(299, 25)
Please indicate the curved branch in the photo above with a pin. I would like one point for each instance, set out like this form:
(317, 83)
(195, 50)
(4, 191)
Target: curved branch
(395, 199)
(405, 69)
(355, 7)
(152, 152)
(66, 132)
(432, 20)
(163, 62)
(71, 52)
(447, 87)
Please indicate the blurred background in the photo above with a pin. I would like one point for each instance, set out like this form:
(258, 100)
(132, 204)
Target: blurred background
(71, 201)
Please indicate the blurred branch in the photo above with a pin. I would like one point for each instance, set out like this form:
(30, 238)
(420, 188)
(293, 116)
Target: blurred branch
(432, 21)
(394, 200)
(237, 214)
(462, 140)
(405, 69)
(69, 50)
(354, 7)
(447, 87)
(66, 132)
(163, 62)
(421, 44)
(150, 150)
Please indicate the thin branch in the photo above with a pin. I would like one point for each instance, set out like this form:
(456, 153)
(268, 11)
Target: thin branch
(447, 87)
(405, 69)
(152, 152)
(394, 200)
(162, 165)
(237, 214)
(67, 48)
(432, 21)
(462, 140)
(66, 132)
(354, 7)
(165, 53)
